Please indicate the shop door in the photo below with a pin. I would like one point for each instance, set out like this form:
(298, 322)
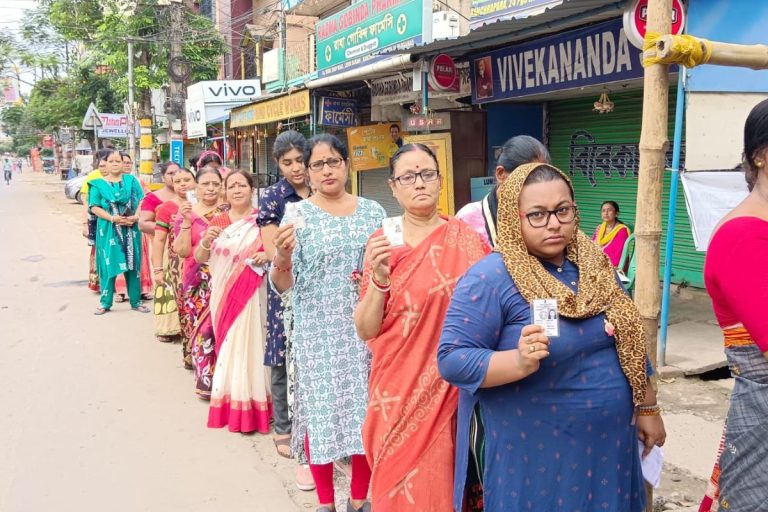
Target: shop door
(374, 185)
(601, 154)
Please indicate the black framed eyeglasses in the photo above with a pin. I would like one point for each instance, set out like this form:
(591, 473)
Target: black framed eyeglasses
(409, 178)
(333, 163)
(540, 218)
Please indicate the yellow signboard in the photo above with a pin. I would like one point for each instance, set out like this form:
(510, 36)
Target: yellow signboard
(284, 107)
(440, 144)
(370, 147)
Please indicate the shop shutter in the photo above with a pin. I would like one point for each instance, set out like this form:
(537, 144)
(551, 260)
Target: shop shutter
(573, 122)
(374, 185)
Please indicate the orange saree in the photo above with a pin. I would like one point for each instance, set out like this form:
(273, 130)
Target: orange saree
(408, 432)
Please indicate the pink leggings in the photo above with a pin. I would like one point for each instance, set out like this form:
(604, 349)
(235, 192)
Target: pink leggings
(323, 476)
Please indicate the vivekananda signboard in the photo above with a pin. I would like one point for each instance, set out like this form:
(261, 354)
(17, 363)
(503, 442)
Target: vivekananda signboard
(360, 32)
(594, 55)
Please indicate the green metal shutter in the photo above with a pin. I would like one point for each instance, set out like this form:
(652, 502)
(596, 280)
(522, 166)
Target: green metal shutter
(573, 121)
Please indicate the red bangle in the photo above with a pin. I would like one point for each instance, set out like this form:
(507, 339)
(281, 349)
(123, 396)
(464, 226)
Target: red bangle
(380, 286)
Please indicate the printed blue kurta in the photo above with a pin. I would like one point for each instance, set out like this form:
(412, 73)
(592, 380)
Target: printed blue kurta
(332, 363)
(559, 440)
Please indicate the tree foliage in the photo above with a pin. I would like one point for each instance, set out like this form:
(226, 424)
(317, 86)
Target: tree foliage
(67, 41)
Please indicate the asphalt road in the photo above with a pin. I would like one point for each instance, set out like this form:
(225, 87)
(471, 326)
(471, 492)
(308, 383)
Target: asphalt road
(95, 414)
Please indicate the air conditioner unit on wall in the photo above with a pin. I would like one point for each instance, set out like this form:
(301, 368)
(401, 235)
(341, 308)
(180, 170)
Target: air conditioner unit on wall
(445, 25)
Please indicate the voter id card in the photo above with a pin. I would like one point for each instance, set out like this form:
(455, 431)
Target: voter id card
(545, 314)
(192, 197)
(294, 215)
(393, 230)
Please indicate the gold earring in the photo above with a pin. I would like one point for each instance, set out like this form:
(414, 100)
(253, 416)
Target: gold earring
(760, 163)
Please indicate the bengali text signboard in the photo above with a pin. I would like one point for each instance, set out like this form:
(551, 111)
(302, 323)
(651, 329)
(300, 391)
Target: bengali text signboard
(594, 55)
(357, 34)
(490, 11)
(338, 112)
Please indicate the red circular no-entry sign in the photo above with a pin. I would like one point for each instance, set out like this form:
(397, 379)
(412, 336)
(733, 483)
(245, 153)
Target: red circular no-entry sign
(636, 20)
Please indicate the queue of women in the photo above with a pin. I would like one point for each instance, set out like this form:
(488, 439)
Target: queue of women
(417, 365)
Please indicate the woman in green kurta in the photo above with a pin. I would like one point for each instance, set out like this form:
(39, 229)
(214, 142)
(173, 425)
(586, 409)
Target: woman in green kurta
(114, 200)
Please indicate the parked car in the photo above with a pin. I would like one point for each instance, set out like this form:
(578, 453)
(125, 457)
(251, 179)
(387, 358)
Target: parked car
(72, 188)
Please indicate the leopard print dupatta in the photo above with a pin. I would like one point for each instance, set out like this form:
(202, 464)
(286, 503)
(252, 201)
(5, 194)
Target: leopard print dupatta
(598, 291)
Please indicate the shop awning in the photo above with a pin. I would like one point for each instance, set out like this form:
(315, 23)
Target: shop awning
(373, 70)
(568, 14)
(218, 119)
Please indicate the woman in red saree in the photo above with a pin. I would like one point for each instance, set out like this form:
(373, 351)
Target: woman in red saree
(166, 264)
(408, 432)
(233, 249)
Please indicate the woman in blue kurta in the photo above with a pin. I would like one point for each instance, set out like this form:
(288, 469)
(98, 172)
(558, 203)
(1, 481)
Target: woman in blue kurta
(553, 427)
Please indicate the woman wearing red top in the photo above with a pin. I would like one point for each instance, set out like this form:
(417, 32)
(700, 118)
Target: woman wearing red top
(166, 264)
(153, 200)
(738, 285)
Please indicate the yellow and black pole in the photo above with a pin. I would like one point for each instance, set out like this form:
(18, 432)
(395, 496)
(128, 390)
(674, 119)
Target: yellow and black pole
(145, 144)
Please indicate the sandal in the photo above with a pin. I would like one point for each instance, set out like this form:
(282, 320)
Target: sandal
(119, 298)
(280, 443)
(164, 339)
(365, 508)
(147, 296)
(100, 311)
(141, 309)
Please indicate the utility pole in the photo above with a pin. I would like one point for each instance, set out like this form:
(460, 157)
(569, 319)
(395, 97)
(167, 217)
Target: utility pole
(653, 146)
(284, 44)
(131, 105)
(176, 85)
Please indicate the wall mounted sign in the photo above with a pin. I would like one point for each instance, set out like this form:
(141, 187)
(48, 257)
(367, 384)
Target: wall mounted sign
(357, 34)
(636, 19)
(594, 55)
(177, 152)
(443, 74)
(284, 107)
(437, 121)
(370, 147)
(338, 112)
(491, 11)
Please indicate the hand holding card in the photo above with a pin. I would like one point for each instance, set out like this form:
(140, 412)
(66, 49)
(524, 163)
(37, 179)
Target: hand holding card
(544, 312)
(393, 230)
(192, 197)
(295, 216)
